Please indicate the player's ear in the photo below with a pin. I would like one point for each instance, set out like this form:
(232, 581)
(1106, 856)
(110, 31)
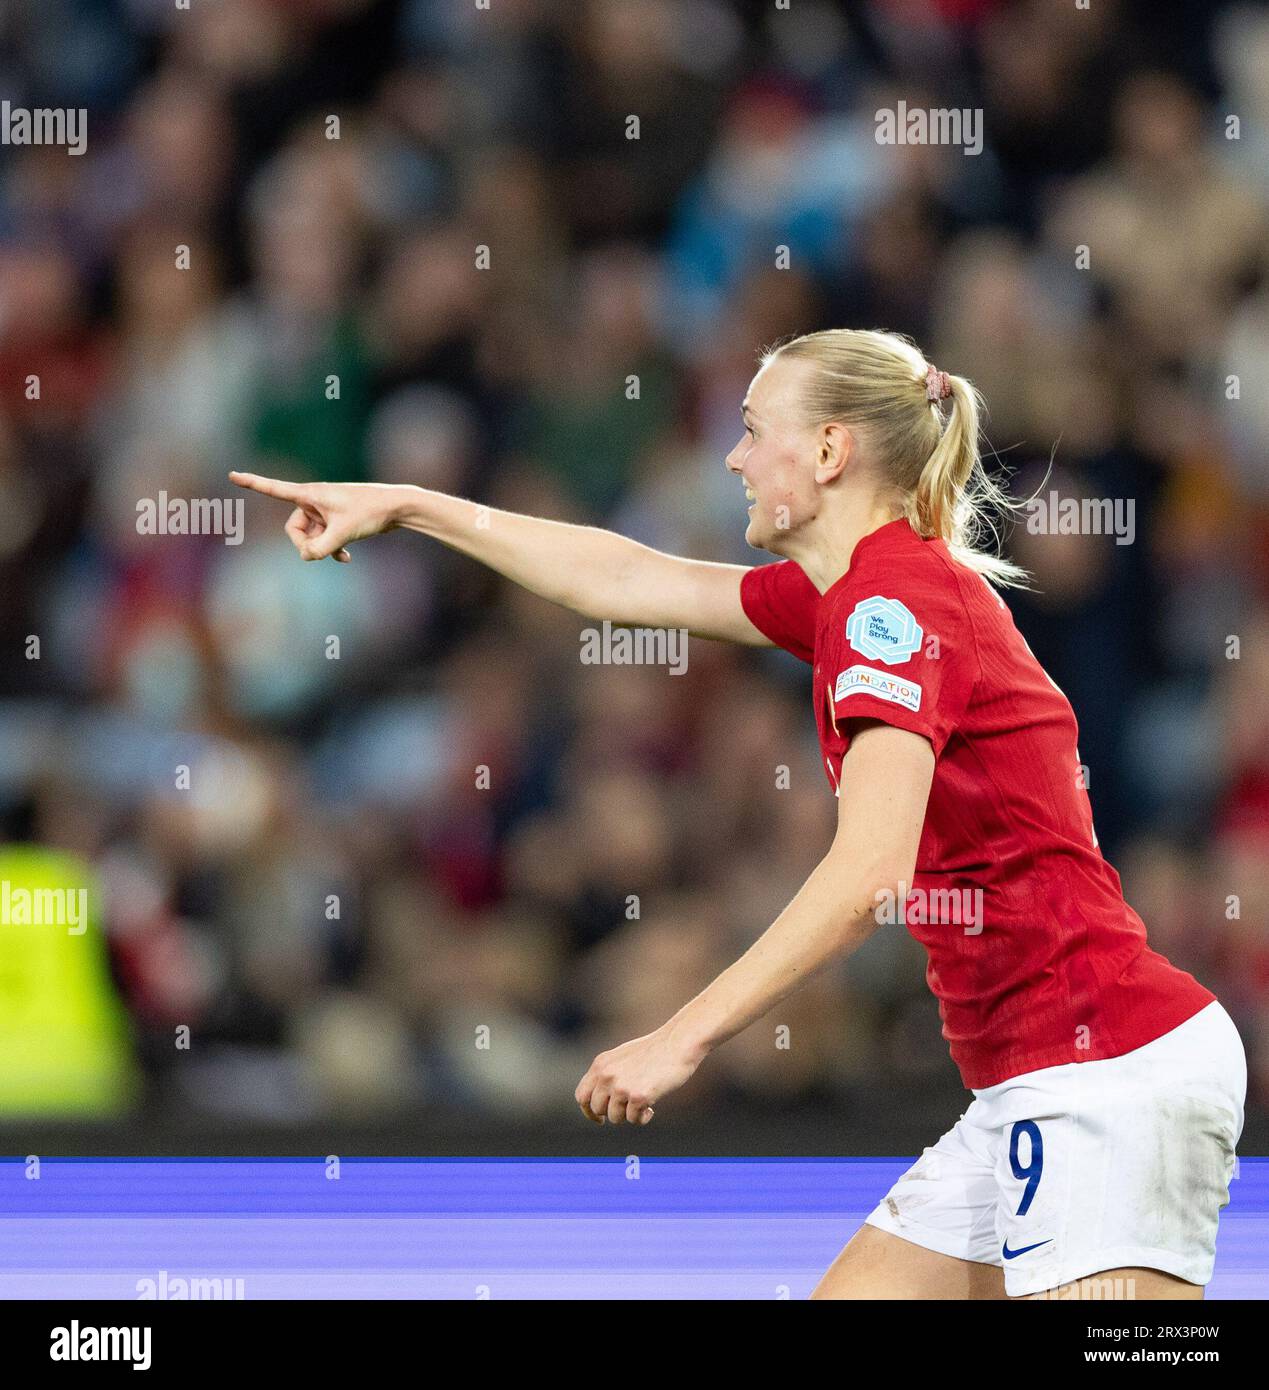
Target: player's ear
(836, 448)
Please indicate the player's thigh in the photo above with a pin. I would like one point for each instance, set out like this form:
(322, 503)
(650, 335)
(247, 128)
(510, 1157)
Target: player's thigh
(878, 1265)
(1126, 1284)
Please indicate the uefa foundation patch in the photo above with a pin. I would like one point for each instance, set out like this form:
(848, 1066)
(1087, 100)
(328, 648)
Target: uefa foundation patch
(863, 680)
(882, 629)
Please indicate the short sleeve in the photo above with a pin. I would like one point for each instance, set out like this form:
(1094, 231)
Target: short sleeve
(781, 602)
(901, 649)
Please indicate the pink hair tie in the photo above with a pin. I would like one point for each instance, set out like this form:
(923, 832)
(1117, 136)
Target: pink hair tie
(938, 386)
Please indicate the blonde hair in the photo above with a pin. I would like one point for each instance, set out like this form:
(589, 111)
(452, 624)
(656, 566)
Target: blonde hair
(877, 381)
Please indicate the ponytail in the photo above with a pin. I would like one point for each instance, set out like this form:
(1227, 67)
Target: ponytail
(954, 498)
(881, 383)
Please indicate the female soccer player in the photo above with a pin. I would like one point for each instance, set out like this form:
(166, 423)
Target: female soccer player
(1108, 1085)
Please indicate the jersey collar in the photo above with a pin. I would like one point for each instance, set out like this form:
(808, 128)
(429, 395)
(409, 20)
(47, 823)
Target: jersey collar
(883, 538)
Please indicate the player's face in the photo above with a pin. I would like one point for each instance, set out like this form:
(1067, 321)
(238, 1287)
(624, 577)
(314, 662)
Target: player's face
(776, 457)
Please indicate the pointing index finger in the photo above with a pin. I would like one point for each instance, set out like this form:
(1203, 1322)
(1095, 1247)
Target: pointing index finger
(271, 487)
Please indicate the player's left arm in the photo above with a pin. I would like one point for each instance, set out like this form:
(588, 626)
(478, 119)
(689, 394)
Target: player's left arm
(885, 784)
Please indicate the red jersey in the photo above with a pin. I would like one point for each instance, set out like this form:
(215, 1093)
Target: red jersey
(1053, 965)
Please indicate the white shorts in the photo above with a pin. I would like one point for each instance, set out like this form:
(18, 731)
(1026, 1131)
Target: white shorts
(1067, 1171)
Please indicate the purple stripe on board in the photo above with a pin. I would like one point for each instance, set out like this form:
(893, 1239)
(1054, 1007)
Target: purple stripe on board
(504, 1229)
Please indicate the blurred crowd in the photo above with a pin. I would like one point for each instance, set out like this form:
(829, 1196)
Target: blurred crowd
(438, 860)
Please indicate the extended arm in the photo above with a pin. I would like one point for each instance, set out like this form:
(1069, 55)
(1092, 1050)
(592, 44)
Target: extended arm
(885, 785)
(594, 572)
